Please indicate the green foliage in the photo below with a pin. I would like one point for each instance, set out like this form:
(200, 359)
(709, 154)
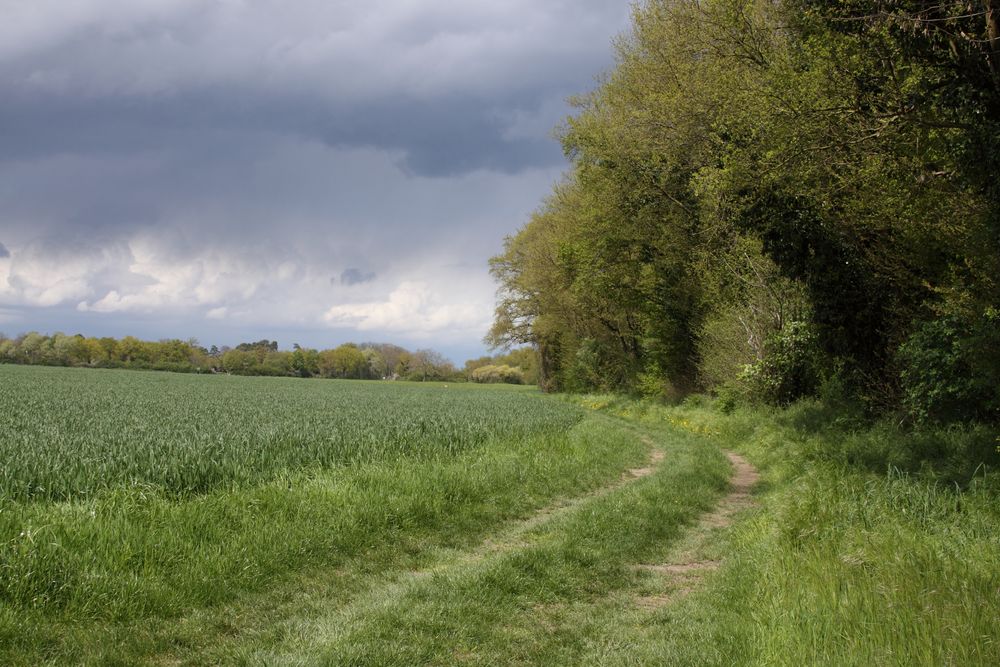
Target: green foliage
(726, 348)
(728, 399)
(490, 374)
(750, 164)
(524, 360)
(428, 365)
(369, 361)
(950, 371)
(346, 361)
(584, 372)
(790, 368)
(129, 352)
(262, 346)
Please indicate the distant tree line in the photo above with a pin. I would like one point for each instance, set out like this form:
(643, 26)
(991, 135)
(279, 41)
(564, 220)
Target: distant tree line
(776, 199)
(365, 361)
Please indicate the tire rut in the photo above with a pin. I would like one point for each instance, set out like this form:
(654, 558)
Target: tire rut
(509, 539)
(685, 570)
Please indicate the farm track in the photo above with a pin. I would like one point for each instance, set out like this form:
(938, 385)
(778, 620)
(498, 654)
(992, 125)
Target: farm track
(686, 567)
(506, 541)
(681, 574)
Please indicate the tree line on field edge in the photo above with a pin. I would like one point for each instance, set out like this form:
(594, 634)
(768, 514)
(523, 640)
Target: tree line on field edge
(365, 361)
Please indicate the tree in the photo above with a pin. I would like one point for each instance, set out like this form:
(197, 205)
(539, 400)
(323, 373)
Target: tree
(427, 365)
(345, 361)
(752, 168)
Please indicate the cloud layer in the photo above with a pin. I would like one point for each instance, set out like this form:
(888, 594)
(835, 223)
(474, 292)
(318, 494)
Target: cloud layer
(210, 165)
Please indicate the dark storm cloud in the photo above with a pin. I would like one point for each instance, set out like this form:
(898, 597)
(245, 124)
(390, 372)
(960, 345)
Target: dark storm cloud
(352, 277)
(4, 253)
(448, 135)
(440, 85)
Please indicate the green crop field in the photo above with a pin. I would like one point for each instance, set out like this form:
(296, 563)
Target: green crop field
(69, 433)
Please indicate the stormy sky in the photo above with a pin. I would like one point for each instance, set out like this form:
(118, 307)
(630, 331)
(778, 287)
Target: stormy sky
(314, 171)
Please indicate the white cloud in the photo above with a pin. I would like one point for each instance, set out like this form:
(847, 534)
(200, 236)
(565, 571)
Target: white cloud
(184, 282)
(412, 309)
(36, 276)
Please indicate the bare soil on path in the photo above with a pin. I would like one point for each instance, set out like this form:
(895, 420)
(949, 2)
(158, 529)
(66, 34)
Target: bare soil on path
(683, 563)
(686, 566)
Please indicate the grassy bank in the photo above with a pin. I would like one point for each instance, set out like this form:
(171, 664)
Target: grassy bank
(870, 545)
(515, 530)
(510, 603)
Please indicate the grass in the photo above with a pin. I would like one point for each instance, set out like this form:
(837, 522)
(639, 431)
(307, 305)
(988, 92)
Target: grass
(848, 559)
(73, 433)
(133, 559)
(499, 538)
(501, 605)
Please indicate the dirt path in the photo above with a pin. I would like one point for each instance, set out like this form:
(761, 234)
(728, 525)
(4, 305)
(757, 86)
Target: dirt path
(515, 536)
(509, 537)
(325, 619)
(687, 565)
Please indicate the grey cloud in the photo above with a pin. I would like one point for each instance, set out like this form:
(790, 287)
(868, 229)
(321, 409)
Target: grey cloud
(4, 253)
(239, 190)
(356, 277)
(345, 50)
(259, 144)
(440, 85)
(450, 134)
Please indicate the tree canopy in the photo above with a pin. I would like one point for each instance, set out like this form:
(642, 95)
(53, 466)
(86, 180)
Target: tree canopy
(766, 197)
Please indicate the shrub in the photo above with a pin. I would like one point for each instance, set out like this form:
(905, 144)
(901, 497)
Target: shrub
(790, 368)
(653, 383)
(583, 373)
(491, 374)
(949, 370)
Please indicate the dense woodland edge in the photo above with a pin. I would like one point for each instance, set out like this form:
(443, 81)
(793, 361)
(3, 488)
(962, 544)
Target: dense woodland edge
(776, 200)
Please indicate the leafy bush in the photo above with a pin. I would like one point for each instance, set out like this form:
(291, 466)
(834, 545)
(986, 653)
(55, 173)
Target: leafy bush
(790, 368)
(653, 383)
(724, 347)
(949, 370)
(491, 374)
(583, 374)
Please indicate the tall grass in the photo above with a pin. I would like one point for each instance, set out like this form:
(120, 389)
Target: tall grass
(871, 546)
(508, 607)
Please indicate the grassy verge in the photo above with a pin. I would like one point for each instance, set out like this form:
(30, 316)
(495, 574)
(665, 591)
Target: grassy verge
(510, 605)
(869, 546)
